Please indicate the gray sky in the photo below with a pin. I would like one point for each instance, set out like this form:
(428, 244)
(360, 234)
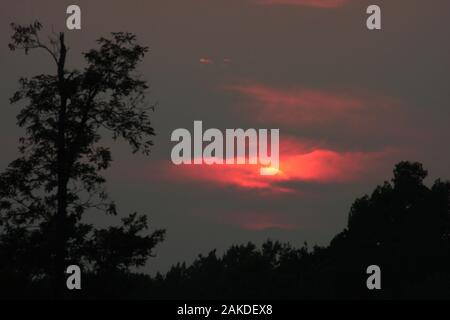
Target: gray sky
(349, 103)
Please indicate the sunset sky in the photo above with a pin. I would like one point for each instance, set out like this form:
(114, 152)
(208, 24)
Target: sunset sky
(349, 103)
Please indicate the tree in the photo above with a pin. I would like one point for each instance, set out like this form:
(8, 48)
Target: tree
(403, 226)
(47, 191)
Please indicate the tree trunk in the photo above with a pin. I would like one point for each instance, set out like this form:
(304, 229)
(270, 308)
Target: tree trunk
(60, 221)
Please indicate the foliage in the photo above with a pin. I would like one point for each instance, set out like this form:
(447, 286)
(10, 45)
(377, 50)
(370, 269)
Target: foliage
(46, 192)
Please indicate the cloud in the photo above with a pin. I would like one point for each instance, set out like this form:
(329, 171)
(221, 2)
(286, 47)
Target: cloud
(329, 166)
(359, 111)
(206, 61)
(323, 4)
(300, 161)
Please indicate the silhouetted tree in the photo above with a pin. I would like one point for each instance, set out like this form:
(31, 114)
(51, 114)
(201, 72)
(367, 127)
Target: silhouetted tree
(404, 227)
(45, 193)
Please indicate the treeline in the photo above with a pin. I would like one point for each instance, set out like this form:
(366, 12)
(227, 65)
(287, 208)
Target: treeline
(403, 227)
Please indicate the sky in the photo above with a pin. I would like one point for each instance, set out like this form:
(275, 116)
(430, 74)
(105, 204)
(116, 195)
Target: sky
(350, 103)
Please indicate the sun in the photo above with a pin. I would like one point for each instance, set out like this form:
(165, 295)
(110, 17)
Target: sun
(271, 171)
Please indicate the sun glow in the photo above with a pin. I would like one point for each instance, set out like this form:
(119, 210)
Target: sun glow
(271, 171)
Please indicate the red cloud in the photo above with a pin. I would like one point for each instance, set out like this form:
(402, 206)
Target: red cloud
(302, 161)
(240, 176)
(308, 108)
(299, 162)
(325, 4)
